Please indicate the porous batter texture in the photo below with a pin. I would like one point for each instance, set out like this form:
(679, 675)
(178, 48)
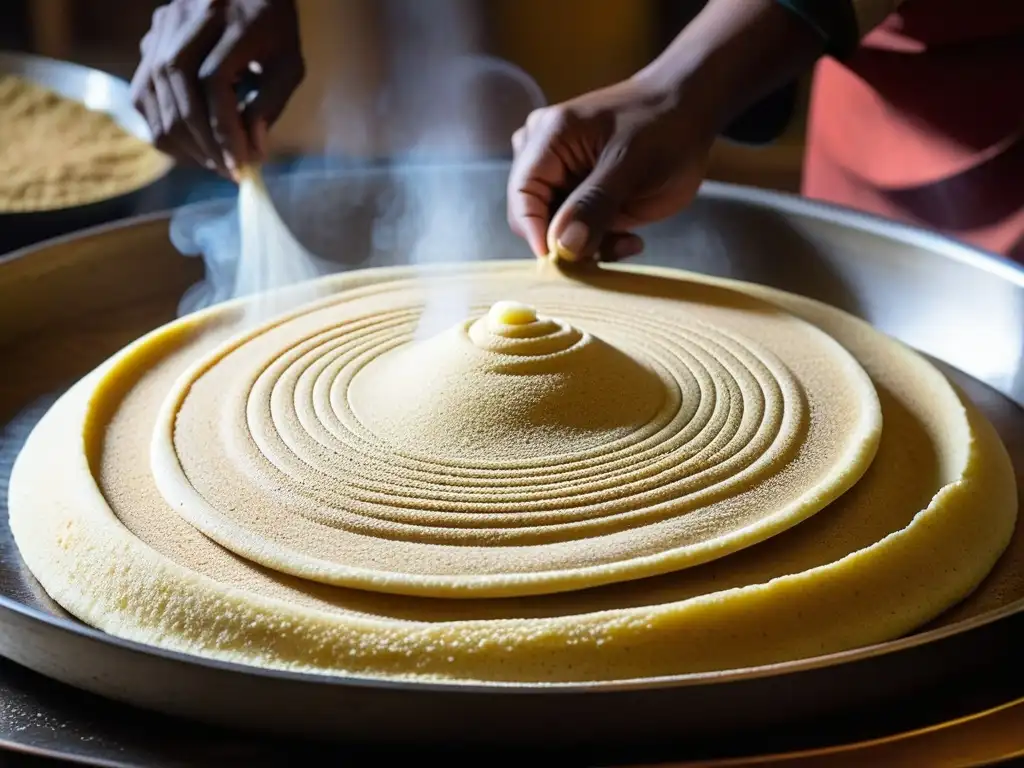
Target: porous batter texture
(57, 153)
(608, 474)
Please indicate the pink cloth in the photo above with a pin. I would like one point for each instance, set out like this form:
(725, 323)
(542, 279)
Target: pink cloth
(925, 122)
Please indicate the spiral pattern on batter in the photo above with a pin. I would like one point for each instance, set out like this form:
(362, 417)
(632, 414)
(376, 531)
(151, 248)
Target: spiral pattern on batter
(608, 475)
(535, 447)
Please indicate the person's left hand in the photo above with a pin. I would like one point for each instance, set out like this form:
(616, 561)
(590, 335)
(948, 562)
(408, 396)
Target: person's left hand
(620, 157)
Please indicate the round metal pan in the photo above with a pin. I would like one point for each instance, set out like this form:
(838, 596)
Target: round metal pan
(66, 305)
(98, 91)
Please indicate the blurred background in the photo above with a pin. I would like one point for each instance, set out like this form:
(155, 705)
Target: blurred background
(353, 46)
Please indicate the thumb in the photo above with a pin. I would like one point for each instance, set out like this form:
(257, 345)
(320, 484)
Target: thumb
(582, 221)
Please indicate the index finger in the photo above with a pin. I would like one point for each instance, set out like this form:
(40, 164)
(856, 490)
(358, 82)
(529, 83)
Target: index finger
(217, 75)
(537, 174)
(197, 35)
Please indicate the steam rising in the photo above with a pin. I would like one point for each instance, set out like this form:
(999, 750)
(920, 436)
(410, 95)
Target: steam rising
(253, 258)
(442, 101)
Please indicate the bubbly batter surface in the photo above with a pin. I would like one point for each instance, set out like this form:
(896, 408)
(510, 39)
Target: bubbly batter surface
(616, 475)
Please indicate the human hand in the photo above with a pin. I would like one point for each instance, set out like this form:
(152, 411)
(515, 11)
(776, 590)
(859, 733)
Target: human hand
(636, 152)
(614, 159)
(194, 55)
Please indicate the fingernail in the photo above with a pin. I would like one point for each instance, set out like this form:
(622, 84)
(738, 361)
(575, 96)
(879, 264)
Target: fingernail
(573, 240)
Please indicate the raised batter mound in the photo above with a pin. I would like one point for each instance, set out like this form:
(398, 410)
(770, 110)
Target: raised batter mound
(610, 474)
(57, 153)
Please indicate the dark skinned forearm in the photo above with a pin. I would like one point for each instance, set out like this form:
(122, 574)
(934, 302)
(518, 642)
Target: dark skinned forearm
(732, 54)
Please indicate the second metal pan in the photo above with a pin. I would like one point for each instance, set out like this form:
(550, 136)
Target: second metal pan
(98, 91)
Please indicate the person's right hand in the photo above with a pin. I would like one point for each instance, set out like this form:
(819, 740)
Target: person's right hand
(194, 55)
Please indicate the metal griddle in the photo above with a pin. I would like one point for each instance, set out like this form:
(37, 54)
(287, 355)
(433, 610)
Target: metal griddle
(68, 304)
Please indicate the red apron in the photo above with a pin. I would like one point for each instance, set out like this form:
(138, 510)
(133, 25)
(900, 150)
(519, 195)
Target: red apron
(925, 122)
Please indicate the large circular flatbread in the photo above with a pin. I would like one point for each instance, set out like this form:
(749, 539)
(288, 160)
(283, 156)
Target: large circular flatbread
(635, 427)
(304, 495)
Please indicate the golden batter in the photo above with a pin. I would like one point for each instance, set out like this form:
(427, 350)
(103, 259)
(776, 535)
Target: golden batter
(286, 445)
(57, 153)
(499, 459)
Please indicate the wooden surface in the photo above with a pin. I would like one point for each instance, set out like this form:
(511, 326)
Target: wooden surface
(51, 28)
(47, 288)
(982, 739)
